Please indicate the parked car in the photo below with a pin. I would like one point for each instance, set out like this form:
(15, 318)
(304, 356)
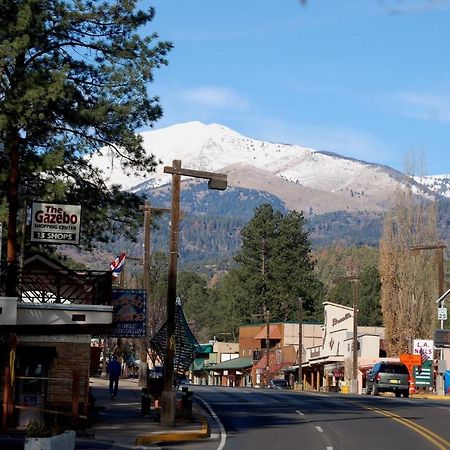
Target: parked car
(388, 377)
(278, 384)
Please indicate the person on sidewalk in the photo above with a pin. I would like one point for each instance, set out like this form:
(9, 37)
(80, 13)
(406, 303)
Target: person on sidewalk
(114, 369)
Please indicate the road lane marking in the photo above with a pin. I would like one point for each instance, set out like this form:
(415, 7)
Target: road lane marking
(223, 433)
(299, 412)
(434, 438)
(319, 429)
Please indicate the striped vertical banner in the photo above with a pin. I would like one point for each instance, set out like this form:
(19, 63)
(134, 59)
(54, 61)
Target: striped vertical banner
(424, 375)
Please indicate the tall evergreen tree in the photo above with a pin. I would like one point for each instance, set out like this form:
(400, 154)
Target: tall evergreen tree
(276, 265)
(73, 81)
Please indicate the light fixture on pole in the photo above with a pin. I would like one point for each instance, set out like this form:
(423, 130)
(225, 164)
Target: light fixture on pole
(215, 181)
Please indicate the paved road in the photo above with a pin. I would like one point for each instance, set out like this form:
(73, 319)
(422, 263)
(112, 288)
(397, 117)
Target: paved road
(283, 420)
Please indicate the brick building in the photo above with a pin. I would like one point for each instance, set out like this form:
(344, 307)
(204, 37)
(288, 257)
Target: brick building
(45, 337)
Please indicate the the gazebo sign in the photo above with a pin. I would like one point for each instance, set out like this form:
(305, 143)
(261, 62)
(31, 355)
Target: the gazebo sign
(55, 223)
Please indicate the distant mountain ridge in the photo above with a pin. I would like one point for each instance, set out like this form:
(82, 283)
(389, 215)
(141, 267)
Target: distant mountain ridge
(343, 199)
(303, 178)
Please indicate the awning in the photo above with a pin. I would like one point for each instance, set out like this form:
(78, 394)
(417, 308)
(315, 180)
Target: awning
(274, 333)
(232, 364)
(198, 364)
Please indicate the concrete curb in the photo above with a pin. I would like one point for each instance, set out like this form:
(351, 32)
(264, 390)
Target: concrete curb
(176, 435)
(430, 396)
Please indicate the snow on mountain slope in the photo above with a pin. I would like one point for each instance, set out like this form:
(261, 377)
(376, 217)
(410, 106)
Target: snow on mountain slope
(328, 181)
(437, 183)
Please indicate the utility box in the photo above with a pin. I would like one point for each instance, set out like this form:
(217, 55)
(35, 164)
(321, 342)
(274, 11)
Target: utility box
(442, 366)
(8, 310)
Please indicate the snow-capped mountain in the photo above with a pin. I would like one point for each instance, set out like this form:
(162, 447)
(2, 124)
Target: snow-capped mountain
(305, 179)
(437, 183)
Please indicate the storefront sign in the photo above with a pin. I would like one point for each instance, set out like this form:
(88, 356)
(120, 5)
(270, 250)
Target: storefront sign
(341, 319)
(423, 347)
(129, 313)
(55, 223)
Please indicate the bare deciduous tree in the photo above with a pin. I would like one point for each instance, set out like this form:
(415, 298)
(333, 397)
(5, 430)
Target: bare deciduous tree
(408, 278)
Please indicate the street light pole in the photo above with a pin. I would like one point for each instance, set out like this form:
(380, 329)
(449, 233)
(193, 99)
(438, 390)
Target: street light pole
(355, 294)
(216, 181)
(148, 210)
(439, 247)
(168, 395)
(267, 319)
(300, 344)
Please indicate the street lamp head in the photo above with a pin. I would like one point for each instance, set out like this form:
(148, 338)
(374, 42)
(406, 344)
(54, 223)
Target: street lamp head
(217, 183)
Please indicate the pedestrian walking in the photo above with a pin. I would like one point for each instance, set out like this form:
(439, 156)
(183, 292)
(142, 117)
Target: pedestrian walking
(114, 369)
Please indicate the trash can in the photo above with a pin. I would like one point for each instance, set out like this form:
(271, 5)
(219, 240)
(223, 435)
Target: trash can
(186, 402)
(146, 401)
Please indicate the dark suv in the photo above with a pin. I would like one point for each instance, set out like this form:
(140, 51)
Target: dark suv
(278, 384)
(388, 377)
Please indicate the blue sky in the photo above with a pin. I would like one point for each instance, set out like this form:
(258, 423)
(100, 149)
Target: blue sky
(368, 79)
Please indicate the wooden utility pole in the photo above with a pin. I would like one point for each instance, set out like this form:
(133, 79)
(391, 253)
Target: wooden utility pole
(355, 294)
(216, 181)
(148, 210)
(300, 343)
(267, 319)
(439, 247)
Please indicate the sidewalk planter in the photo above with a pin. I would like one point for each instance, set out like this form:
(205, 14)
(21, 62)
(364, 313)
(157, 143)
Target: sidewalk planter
(65, 441)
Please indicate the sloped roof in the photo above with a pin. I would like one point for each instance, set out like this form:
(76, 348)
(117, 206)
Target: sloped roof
(231, 364)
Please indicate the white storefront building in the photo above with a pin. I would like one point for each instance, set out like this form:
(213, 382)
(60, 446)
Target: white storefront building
(329, 365)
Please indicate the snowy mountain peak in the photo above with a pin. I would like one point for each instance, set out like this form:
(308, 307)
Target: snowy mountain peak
(302, 177)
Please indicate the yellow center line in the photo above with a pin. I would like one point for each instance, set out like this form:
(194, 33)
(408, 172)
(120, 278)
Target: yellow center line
(434, 438)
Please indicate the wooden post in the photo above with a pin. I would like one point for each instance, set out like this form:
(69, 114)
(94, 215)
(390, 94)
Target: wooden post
(168, 395)
(75, 395)
(300, 343)
(6, 398)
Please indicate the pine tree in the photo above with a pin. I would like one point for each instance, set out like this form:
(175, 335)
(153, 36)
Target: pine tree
(73, 81)
(275, 265)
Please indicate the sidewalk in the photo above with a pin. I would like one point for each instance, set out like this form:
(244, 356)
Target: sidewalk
(120, 424)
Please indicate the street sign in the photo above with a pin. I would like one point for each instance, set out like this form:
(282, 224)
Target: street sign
(410, 360)
(442, 313)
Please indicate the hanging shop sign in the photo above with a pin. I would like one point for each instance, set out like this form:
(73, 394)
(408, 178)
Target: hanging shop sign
(129, 313)
(54, 223)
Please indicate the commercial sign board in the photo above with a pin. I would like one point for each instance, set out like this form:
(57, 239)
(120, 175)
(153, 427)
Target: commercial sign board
(129, 313)
(410, 360)
(423, 375)
(54, 223)
(423, 347)
(442, 338)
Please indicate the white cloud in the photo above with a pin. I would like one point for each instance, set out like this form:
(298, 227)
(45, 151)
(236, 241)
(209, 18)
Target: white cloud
(215, 98)
(424, 106)
(413, 6)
